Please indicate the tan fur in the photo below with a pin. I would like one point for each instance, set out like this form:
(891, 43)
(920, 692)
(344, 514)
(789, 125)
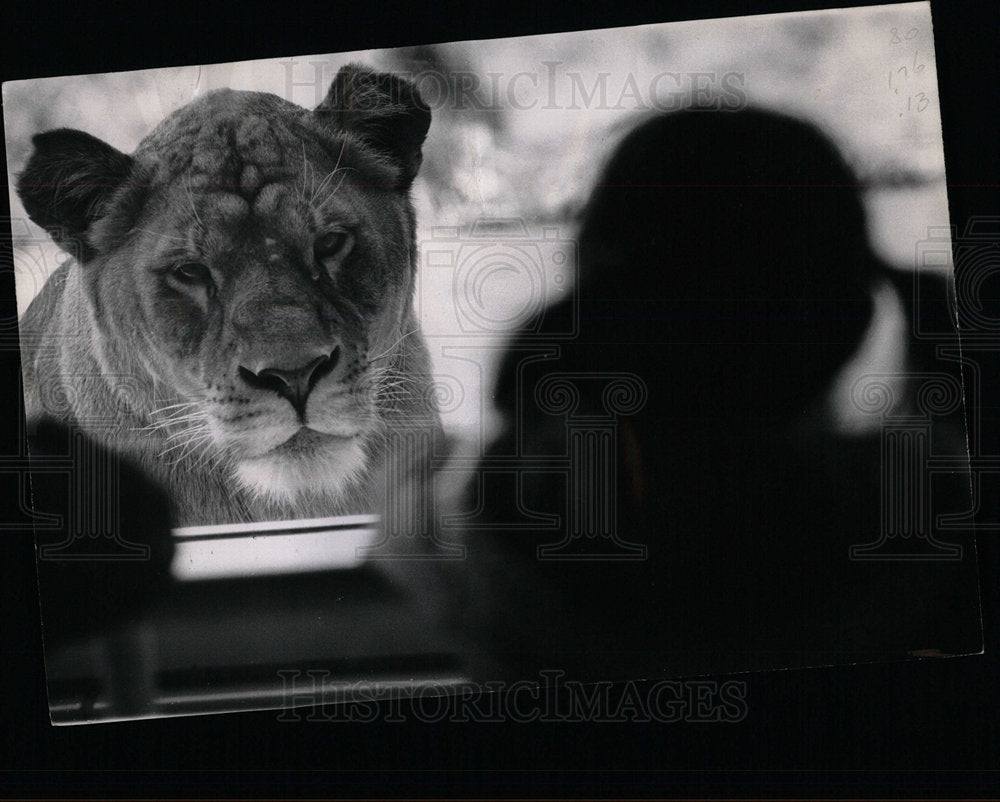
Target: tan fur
(243, 183)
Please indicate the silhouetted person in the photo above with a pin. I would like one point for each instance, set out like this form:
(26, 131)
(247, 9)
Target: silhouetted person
(725, 262)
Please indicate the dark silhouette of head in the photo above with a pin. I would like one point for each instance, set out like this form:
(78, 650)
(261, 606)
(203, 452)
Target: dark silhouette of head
(737, 242)
(725, 262)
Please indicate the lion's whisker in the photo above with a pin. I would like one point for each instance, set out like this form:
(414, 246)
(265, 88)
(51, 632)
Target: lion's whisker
(194, 209)
(156, 426)
(317, 190)
(165, 424)
(193, 447)
(336, 189)
(181, 414)
(174, 406)
(391, 347)
(194, 439)
(305, 173)
(188, 431)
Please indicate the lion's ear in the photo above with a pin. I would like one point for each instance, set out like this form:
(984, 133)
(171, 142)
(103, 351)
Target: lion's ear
(67, 182)
(384, 110)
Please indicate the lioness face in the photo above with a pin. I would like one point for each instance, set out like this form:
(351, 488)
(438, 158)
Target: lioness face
(260, 261)
(270, 302)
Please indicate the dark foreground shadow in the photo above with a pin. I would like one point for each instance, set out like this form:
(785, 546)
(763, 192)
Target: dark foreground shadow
(103, 534)
(726, 282)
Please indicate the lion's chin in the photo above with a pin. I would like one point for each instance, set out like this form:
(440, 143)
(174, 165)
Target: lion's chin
(308, 465)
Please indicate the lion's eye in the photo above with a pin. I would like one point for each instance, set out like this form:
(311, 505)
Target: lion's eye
(193, 275)
(331, 248)
(192, 272)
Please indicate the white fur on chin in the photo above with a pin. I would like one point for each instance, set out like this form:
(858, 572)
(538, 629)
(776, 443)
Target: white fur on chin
(287, 478)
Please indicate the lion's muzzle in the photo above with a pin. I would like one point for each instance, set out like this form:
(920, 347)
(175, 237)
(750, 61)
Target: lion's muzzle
(293, 382)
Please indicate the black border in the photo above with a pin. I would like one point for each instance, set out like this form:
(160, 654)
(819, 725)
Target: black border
(892, 730)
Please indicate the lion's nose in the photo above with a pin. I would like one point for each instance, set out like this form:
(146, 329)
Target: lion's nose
(296, 383)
